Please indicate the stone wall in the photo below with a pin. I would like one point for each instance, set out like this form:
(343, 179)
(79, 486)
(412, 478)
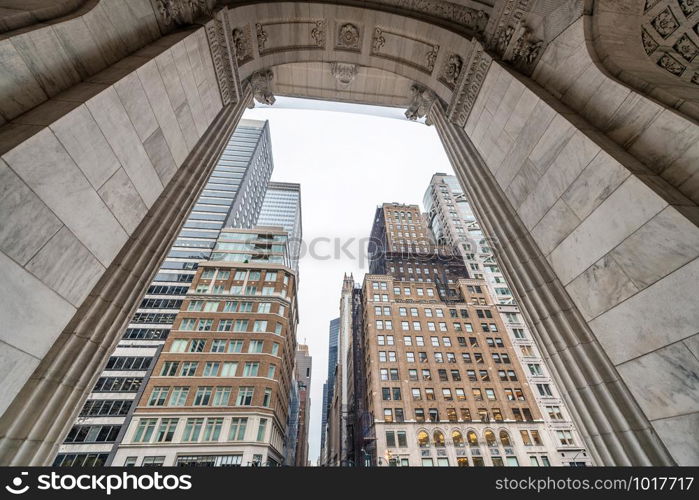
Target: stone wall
(621, 240)
(75, 191)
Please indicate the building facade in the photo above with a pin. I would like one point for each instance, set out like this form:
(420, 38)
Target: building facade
(282, 207)
(233, 194)
(443, 381)
(219, 392)
(303, 371)
(451, 219)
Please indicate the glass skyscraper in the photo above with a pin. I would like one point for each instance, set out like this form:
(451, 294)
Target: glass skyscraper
(282, 207)
(232, 196)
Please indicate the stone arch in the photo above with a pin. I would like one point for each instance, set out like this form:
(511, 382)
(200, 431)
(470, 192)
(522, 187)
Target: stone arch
(498, 163)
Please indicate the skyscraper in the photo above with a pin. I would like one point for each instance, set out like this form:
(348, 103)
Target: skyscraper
(282, 207)
(443, 383)
(220, 389)
(333, 337)
(231, 194)
(453, 222)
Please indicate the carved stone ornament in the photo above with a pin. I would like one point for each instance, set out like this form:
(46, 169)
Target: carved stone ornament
(421, 101)
(432, 57)
(379, 40)
(261, 83)
(452, 70)
(469, 85)
(348, 36)
(182, 12)
(221, 48)
(318, 33)
(242, 44)
(344, 73)
(261, 36)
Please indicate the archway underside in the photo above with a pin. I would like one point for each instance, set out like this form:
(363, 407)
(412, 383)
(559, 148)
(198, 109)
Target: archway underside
(541, 176)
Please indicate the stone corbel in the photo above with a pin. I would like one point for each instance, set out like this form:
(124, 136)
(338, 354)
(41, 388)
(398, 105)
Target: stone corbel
(469, 85)
(421, 101)
(344, 73)
(261, 83)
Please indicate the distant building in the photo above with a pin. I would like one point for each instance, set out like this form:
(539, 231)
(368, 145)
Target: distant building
(304, 369)
(282, 207)
(328, 387)
(219, 391)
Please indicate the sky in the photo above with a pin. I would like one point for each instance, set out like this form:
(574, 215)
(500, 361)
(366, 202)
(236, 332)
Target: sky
(349, 159)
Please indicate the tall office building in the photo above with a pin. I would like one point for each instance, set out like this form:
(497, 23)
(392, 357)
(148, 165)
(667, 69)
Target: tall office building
(444, 386)
(452, 221)
(304, 368)
(282, 207)
(328, 387)
(232, 195)
(219, 392)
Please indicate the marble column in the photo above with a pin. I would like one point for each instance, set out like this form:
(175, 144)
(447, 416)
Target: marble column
(615, 428)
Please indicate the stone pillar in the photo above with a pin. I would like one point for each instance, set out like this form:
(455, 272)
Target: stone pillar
(108, 173)
(615, 428)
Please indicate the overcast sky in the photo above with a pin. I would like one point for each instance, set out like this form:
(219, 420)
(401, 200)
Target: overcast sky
(348, 159)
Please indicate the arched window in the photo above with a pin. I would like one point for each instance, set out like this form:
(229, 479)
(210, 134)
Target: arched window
(438, 438)
(490, 438)
(457, 438)
(423, 439)
(472, 438)
(505, 438)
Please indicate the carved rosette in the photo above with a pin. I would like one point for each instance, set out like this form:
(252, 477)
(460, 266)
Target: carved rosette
(222, 51)
(344, 73)
(469, 86)
(421, 101)
(261, 83)
(348, 37)
(451, 71)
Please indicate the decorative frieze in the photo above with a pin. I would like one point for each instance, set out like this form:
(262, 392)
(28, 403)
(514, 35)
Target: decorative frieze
(292, 34)
(222, 48)
(469, 85)
(393, 46)
(421, 101)
(474, 19)
(261, 83)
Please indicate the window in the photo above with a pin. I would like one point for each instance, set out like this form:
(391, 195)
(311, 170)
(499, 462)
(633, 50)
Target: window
(197, 345)
(188, 368)
(412, 374)
(144, 430)
(250, 369)
(166, 430)
(211, 369)
(388, 415)
(218, 346)
(245, 396)
(544, 390)
(255, 346)
(202, 396)
(192, 429)
(554, 412)
(221, 396)
(229, 369)
(259, 326)
(179, 345)
(158, 395)
(237, 431)
(178, 396)
(241, 325)
(169, 369)
(235, 346)
(565, 437)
